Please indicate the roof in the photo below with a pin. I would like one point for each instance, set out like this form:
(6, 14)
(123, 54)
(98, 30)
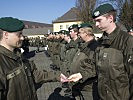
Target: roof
(71, 15)
(37, 31)
(36, 24)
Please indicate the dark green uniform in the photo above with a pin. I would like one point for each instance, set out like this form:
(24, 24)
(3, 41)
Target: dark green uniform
(114, 55)
(50, 44)
(19, 77)
(84, 62)
(56, 52)
(63, 56)
(37, 42)
(70, 52)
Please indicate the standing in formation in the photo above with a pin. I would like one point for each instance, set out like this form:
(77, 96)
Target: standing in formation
(91, 69)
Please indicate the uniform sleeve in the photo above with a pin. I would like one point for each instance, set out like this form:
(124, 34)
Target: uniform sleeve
(130, 56)
(130, 64)
(44, 76)
(87, 69)
(2, 86)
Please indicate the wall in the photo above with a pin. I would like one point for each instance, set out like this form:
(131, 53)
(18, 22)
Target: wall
(65, 25)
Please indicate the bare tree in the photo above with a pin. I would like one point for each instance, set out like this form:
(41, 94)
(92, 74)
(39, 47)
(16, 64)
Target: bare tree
(85, 8)
(118, 4)
(127, 14)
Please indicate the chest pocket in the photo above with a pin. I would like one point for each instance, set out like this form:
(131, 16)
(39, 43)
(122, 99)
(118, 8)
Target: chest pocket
(112, 76)
(110, 63)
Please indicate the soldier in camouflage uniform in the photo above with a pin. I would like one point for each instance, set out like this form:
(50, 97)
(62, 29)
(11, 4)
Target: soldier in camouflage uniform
(70, 52)
(37, 43)
(63, 44)
(114, 57)
(18, 76)
(84, 64)
(49, 43)
(56, 52)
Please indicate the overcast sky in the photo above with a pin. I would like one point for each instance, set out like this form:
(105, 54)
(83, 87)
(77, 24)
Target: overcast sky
(44, 11)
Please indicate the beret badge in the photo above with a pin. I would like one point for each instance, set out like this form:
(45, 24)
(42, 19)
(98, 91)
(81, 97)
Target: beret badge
(97, 13)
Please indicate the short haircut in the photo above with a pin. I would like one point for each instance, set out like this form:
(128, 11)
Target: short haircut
(113, 13)
(75, 29)
(88, 30)
(1, 34)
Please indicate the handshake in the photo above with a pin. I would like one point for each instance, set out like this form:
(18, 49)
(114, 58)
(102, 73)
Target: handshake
(72, 78)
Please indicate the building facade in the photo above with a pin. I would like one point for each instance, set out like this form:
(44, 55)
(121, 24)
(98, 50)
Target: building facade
(68, 19)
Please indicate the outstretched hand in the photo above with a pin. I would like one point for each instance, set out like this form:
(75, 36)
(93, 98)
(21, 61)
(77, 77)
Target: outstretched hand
(63, 78)
(75, 77)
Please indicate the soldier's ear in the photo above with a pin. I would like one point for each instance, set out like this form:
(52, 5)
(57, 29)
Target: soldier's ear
(5, 34)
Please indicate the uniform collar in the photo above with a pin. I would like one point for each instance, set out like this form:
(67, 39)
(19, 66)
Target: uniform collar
(114, 33)
(86, 45)
(109, 38)
(8, 53)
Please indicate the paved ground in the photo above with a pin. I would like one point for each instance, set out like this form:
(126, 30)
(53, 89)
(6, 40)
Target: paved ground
(50, 90)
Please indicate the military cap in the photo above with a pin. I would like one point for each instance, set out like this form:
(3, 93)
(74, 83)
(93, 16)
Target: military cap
(64, 32)
(56, 33)
(129, 29)
(10, 24)
(51, 33)
(73, 26)
(82, 25)
(67, 33)
(102, 9)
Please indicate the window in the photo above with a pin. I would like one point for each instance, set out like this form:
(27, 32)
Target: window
(61, 27)
(67, 26)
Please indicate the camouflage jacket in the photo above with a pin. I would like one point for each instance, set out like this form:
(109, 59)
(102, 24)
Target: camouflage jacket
(19, 77)
(115, 72)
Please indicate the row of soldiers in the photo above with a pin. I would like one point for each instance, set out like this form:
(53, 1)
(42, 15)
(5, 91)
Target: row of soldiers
(71, 52)
(95, 69)
(68, 51)
(64, 48)
(104, 66)
(33, 42)
(90, 69)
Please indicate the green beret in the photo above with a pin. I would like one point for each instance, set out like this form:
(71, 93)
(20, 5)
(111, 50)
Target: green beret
(10, 24)
(102, 9)
(56, 33)
(84, 25)
(67, 33)
(52, 33)
(73, 26)
(130, 29)
(64, 32)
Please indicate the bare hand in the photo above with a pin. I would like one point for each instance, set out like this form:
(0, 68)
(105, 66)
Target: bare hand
(75, 77)
(63, 78)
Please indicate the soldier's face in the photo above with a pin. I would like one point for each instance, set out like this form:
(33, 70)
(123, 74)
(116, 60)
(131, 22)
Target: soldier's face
(82, 34)
(66, 38)
(14, 39)
(102, 22)
(73, 34)
(62, 36)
